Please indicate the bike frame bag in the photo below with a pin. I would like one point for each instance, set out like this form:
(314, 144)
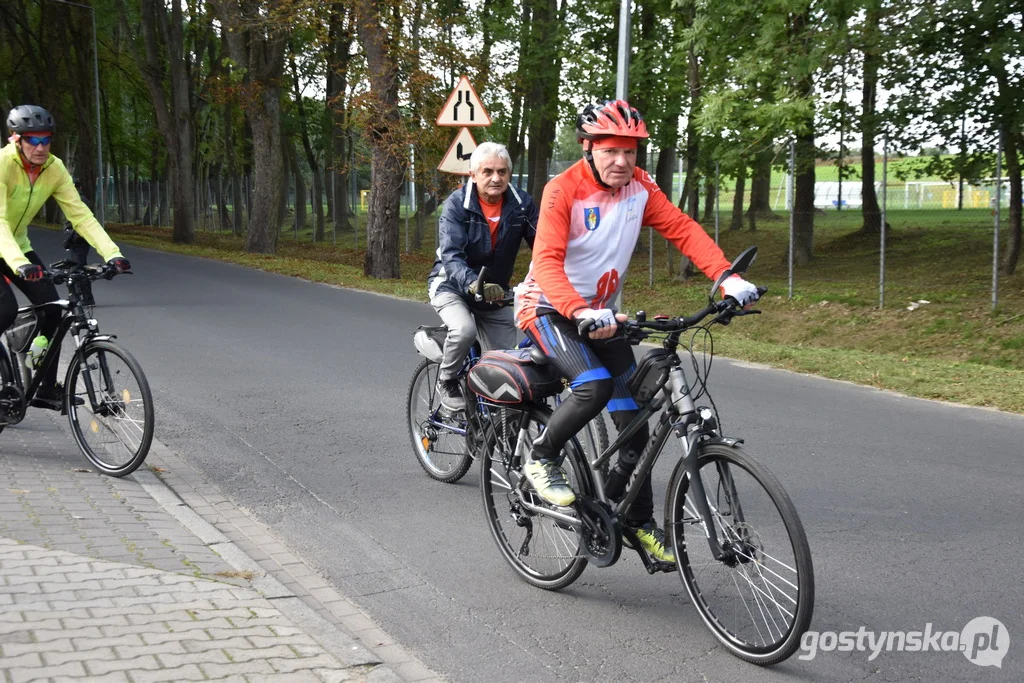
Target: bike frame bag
(650, 376)
(512, 377)
(21, 333)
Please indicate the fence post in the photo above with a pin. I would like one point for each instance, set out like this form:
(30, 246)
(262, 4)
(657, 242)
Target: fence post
(718, 195)
(995, 235)
(792, 213)
(885, 201)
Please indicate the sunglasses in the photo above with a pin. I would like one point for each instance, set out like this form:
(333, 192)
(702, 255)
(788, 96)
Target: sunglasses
(36, 140)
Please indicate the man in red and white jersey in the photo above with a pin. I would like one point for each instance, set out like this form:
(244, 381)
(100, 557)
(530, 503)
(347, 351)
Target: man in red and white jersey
(590, 219)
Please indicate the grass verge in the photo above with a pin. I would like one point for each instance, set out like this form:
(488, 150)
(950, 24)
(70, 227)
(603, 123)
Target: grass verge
(954, 348)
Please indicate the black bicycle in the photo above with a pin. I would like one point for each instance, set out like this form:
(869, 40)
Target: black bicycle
(740, 546)
(106, 395)
(445, 444)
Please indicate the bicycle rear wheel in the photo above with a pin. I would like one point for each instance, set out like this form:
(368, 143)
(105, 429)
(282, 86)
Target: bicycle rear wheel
(543, 551)
(439, 441)
(759, 599)
(114, 424)
(8, 390)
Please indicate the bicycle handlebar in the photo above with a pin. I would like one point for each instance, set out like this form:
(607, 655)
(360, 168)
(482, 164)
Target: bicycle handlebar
(724, 310)
(63, 271)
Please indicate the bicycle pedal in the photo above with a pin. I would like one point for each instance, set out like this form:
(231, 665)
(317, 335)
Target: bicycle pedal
(659, 566)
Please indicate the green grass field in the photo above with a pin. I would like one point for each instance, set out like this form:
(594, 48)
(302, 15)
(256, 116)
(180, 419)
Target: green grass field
(953, 348)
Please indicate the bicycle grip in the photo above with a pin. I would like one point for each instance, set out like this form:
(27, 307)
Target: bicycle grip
(480, 279)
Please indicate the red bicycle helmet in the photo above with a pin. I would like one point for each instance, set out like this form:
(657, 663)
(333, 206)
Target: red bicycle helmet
(612, 117)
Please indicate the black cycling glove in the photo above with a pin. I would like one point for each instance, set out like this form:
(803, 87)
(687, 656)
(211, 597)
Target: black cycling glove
(32, 272)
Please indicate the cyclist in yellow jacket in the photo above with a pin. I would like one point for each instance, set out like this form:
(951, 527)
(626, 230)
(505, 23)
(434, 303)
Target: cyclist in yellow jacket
(29, 175)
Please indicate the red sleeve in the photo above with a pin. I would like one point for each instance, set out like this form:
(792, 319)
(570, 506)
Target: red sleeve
(684, 232)
(549, 248)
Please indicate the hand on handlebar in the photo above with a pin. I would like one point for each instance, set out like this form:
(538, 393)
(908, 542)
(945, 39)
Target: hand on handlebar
(600, 323)
(118, 265)
(491, 291)
(739, 289)
(32, 272)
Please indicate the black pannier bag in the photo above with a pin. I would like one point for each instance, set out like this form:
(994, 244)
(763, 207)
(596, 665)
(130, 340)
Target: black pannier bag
(21, 333)
(650, 376)
(512, 377)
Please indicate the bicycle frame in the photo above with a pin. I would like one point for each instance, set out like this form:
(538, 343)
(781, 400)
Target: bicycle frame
(83, 329)
(679, 416)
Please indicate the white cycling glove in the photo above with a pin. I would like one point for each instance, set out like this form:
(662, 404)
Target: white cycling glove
(602, 317)
(739, 289)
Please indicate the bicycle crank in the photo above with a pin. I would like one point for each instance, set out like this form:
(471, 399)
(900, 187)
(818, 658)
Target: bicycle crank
(600, 533)
(12, 404)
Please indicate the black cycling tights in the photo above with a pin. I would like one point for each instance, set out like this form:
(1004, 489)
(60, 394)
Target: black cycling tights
(39, 292)
(597, 371)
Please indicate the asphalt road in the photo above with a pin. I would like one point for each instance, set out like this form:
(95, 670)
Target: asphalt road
(290, 396)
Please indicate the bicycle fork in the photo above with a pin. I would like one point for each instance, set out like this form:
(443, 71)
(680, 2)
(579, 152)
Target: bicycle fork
(691, 427)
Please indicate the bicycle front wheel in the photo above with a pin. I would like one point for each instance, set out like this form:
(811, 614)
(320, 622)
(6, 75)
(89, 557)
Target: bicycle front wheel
(542, 550)
(438, 440)
(757, 599)
(113, 421)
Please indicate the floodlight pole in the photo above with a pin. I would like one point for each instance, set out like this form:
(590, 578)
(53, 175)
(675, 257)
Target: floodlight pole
(622, 71)
(96, 84)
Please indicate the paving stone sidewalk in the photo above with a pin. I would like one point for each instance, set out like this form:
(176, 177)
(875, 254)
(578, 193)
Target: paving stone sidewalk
(105, 579)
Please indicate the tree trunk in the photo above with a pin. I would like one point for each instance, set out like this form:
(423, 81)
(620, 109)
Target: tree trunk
(870, 211)
(803, 198)
(710, 201)
(77, 54)
(542, 98)
(175, 119)
(340, 39)
(314, 166)
(665, 172)
(300, 190)
(386, 139)
(1013, 144)
(289, 170)
(761, 187)
(736, 222)
(257, 45)
(689, 199)
(265, 119)
(235, 181)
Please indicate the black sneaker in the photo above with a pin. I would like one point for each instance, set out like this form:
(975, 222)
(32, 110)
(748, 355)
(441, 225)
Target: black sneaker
(450, 393)
(52, 398)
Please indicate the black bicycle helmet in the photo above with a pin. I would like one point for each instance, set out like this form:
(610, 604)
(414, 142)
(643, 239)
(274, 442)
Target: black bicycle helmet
(28, 118)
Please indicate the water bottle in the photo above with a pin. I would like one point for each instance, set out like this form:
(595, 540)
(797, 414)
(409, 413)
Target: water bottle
(36, 351)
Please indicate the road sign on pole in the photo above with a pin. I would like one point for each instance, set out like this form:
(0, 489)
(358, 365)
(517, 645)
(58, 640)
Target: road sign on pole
(463, 107)
(456, 160)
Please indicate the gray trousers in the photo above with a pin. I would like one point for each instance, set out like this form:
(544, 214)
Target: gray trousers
(496, 329)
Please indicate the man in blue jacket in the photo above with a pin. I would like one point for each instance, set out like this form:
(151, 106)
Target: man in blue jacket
(482, 224)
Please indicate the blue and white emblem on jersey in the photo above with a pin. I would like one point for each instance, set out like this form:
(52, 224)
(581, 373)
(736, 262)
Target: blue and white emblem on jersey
(592, 217)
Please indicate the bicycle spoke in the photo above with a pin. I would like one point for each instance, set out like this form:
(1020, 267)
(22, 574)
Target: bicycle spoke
(757, 598)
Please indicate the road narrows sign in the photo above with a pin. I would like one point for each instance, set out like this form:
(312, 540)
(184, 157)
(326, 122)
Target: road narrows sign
(463, 107)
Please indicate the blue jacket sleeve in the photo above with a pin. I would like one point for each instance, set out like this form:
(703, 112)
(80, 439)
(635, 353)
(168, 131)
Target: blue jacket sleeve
(451, 244)
(530, 208)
